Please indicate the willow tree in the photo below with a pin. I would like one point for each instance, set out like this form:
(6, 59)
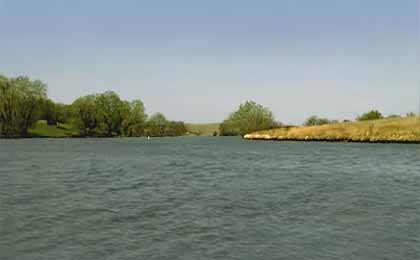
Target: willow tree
(21, 102)
(156, 125)
(112, 111)
(31, 95)
(175, 128)
(86, 115)
(134, 124)
(249, 117)
(7, 113)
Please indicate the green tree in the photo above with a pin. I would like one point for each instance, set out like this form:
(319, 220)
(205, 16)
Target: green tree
(6, 107)
(63, 113)
(314, 121)
(111, 111)
(134, 123)
(174, 128)
(20, 104)
(248, 118)
(50, 112)
(156, 125)
(31, 95)
(86, 115)
(229, 128)
(55, 113)
(371, 115)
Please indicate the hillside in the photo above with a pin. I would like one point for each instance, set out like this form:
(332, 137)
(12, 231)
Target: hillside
(386, 130)
(203, 129)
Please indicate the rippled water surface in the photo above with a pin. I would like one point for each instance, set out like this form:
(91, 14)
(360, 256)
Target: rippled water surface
(208, 198)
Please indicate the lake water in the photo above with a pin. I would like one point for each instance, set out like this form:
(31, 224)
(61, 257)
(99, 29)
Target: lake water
(208, 198)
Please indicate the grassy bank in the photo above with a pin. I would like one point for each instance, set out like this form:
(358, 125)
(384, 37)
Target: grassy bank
(42, 129)
(385, 130)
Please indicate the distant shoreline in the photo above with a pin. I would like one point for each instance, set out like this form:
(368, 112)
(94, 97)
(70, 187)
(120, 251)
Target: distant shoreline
(400, 130)
(92, 137)
(67, 131)
(332, 141)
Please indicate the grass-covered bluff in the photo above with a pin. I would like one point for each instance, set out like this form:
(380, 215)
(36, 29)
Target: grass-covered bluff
(404, 130)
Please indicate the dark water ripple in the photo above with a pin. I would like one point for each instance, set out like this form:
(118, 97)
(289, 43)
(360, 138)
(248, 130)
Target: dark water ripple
(208, 198)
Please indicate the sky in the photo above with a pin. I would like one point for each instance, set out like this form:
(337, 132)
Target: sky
(196, 61)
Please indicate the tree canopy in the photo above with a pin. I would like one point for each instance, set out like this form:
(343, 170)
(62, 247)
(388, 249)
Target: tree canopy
(249, 117)
(86, 116)
(371, 115)
(158, 126)
(315, 120)
(23, 102)
(108, 115)
(134, 124)
(111, 112)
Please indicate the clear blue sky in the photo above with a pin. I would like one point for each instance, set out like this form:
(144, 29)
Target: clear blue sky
(198, 60)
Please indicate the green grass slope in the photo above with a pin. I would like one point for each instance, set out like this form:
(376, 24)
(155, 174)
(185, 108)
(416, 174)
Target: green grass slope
(42, 129)
(386, 130)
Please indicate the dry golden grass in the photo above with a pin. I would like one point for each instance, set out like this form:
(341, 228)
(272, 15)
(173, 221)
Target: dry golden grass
(386, 130)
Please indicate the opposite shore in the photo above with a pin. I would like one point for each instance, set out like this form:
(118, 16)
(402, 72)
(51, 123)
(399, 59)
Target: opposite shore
(27, 112)
(395, 130)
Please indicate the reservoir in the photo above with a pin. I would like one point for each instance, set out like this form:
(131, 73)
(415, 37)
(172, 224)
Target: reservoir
(194, 198)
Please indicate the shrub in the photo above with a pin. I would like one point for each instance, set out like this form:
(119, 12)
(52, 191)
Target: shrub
(250, 117)
(372, 115)
(314, 121)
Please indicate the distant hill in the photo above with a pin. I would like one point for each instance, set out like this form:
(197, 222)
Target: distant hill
(203, 129)
(403, 130)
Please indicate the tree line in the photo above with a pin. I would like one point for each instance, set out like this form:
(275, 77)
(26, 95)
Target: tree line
(24, 101)
(368, 116)
(252, 117)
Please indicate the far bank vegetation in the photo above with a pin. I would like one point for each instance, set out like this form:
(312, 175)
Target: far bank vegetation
(390, 129)
(26, 111)
(249, 117)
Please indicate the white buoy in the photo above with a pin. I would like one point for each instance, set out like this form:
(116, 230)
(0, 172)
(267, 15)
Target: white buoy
(148, 138)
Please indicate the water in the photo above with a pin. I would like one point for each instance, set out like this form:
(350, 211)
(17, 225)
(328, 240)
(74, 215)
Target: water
(208, 198)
